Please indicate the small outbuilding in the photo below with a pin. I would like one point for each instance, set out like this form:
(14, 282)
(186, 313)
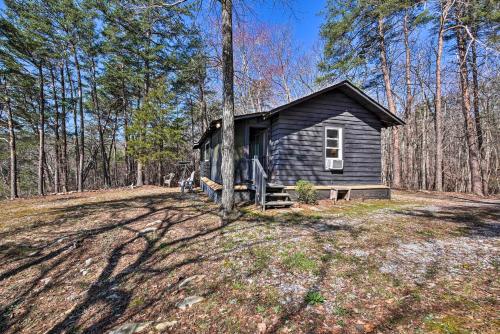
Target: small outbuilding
(331, 138)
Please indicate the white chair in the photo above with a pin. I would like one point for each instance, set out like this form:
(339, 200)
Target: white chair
(188, 184)
(168, 180)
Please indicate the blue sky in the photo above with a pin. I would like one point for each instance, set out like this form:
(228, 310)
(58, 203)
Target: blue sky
(304, 17)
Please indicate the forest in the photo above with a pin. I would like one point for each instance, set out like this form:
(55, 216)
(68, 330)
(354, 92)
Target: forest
(99, 94)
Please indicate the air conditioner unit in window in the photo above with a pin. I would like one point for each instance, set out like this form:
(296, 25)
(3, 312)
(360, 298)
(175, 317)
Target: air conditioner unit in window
(334, 164)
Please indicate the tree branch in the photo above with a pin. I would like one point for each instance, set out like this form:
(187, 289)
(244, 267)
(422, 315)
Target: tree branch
(160, 5)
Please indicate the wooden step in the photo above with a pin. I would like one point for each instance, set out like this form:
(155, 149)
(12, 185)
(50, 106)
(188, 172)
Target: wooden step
(274, 188)
(278, 203)
(282, 195)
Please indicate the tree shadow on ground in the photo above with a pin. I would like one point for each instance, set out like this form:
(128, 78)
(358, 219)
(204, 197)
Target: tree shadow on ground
(138, 256)
(472, 221)
(56, 254)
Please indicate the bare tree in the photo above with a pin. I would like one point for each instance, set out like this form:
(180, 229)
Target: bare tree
(470, 125)
(64, 153)
(81, 144)
(396, 157)
(228, 109)
(445, 6)
(56, 131)
(41, 133)
(12, 145)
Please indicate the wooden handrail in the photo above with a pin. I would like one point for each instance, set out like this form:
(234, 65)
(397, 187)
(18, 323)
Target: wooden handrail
(260, 183)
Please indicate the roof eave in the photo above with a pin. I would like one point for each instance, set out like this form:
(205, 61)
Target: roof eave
(390, 118)
(213, 125)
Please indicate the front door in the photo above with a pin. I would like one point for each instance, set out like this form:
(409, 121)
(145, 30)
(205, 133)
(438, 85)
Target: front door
(258, 145)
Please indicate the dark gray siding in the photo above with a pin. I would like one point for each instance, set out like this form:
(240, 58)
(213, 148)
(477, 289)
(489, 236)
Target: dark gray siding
(216, 156)
(273, 159)
(297, 142)
(242, 160)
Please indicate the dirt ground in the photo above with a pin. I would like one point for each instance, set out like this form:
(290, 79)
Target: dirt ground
(133, 260)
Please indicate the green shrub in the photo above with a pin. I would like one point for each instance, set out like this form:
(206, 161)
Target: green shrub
(306, 192)
(314, 298)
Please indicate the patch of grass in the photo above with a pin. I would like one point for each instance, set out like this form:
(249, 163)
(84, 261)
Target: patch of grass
(260, 309)
(416, 296)
(165, 248)
(467, 266)
(268, 296)
(17, 250)
(346, 258)
(229, 244)
(314, 298)
(299, 218)
(339, 311)
(496, 264)
(232, 324)
(357, 209)
(250, 214)
(446, 325)
(327, 257)
(299, 261)
(262, 257)
(136, 302)
(238, 285)
(229, 264)
(431, 271)
(428, 234)
(269, 238)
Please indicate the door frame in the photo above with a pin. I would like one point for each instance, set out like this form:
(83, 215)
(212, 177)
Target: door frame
(265, 140)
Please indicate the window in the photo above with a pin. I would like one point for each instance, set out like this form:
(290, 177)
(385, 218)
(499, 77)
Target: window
(206, 153)
(333, 144)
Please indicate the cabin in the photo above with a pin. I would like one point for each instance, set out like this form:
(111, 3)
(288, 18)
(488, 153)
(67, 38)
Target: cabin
(331, 138)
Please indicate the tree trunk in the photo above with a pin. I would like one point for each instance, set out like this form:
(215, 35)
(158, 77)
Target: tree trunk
(125, 125)
(228, 109)
(396, 160)
(112, 147)
(41, 134)
(477, 116)
(64, 155)
(100, 128)
(13, 152)
(203, 105)
(56, 132)
(470, 129)
(409, 96)
(75, 127)
(423, 150)
(438, 117)
(140, 167)
(81, 152)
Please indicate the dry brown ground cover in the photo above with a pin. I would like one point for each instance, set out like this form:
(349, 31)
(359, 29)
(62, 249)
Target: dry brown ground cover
(118, 260)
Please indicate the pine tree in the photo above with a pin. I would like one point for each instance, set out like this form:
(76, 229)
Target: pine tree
(356, 34)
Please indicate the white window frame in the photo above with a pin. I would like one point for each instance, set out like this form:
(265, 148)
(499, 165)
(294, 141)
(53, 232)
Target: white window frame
(206, 152)
(340, 142)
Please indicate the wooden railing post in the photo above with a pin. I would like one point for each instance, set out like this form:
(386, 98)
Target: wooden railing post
(263, 195)
(253, 170)
(260, 183)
